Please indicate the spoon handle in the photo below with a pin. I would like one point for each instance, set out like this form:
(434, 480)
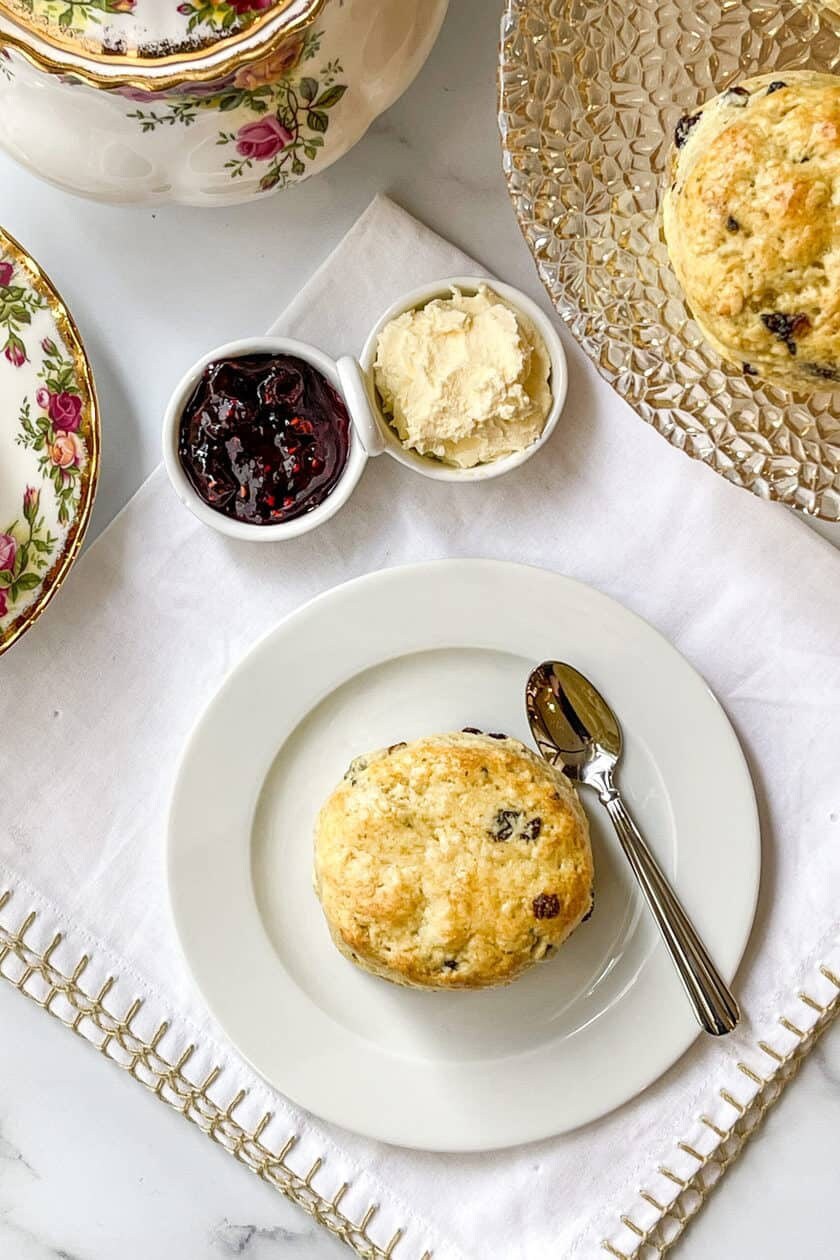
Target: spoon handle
(712, 1001)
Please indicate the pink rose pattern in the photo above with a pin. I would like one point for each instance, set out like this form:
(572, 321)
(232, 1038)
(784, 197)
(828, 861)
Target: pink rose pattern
(54, 433)
(262, 139)
(66, 451)
(25, 550)
(31, 499)
(15, 351)
(249, 6)
(65, 411)
(18, 303)
(8, 550)
(52, 423)
(224, 15)
(278, 112)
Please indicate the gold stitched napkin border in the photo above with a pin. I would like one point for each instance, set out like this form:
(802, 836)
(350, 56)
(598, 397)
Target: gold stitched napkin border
(63, 995)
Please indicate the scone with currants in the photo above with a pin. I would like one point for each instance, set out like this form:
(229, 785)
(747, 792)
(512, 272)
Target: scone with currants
(455, 861)
(752, 223)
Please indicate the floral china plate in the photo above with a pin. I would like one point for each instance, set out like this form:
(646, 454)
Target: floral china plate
(49, 441)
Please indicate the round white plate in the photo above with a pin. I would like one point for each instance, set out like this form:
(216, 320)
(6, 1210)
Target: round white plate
(400, 654)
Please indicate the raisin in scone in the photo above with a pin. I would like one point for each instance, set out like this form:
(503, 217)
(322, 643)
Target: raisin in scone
(455, 861)
(752, 224)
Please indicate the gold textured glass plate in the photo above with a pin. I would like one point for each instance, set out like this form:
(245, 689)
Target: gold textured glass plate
(590, 93)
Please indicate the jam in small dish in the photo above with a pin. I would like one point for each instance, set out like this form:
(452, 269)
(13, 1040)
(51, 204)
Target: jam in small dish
(263, 438)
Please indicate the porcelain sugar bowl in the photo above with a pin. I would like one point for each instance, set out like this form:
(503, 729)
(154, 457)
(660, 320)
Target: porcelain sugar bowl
(205, 102)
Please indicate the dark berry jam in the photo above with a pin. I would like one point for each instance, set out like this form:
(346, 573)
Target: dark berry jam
(264, 438)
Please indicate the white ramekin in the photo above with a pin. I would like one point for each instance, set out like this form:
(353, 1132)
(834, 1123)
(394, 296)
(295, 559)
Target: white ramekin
(371, 434)
(347, 483)
(426, 464)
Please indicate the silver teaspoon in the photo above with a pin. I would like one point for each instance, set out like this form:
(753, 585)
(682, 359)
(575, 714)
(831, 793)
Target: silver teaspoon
(576, 730)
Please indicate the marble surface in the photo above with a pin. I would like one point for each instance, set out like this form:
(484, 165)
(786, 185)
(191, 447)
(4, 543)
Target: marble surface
(90, 1167)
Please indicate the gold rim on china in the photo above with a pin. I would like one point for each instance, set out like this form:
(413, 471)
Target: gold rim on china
(70, 336)
(201, 64)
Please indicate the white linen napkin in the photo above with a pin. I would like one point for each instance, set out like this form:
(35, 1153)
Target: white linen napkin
(96, 702)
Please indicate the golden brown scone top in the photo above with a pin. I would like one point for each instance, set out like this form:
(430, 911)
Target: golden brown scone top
(752, 222)
(455, 861)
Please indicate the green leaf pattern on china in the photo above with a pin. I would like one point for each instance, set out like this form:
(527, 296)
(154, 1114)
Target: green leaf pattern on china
(54, 431)
(26, 546)
(49, 424)
(283, 116)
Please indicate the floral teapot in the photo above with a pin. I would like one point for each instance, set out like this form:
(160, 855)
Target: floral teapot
(205, 102)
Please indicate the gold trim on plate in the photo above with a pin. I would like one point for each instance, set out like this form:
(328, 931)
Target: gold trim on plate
(141, 69)
(71, 337)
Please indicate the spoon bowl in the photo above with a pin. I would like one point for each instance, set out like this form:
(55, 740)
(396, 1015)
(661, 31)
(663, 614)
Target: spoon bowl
(571, 722)
(576, 730)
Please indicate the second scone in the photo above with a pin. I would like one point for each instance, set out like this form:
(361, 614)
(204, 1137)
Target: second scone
(455, 861)
(752, 225)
